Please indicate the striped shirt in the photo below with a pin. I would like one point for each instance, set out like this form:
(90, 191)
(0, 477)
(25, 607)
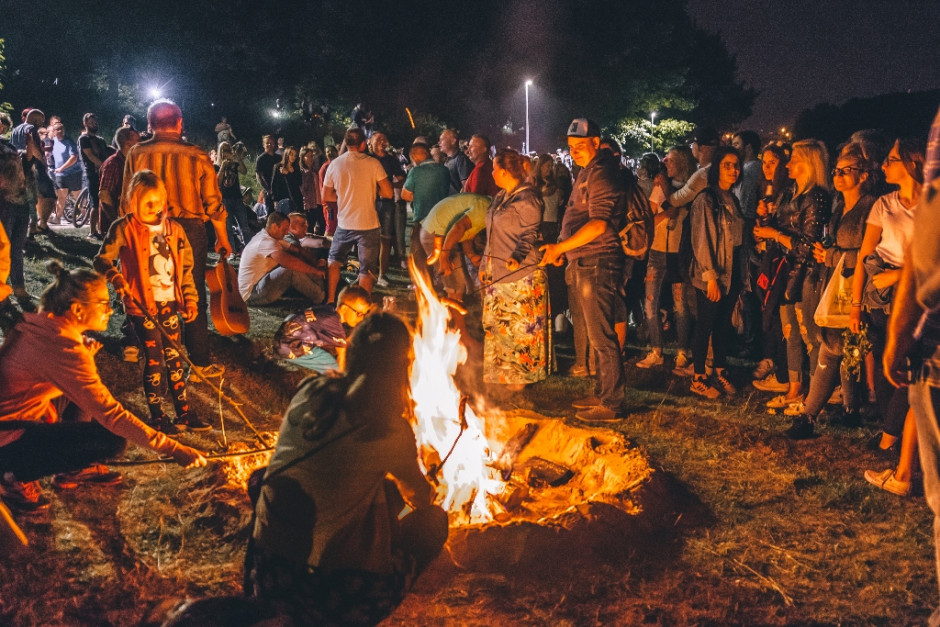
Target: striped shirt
(192, 187)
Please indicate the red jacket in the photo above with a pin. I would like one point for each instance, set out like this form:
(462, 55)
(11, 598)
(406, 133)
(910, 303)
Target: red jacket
(127, 241)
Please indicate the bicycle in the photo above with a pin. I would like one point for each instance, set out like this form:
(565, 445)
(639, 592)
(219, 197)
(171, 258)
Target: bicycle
(78, 208)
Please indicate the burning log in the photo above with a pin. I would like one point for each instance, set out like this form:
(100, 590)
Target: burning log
(510, 453)
(541, 472)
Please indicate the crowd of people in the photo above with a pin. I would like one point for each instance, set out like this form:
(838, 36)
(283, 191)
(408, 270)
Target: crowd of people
(780, 254)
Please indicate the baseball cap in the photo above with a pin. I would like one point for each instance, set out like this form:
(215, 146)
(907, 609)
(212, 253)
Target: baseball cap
(705, 136)
(583, 127)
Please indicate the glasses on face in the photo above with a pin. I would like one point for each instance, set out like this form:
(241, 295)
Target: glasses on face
(359, 314)
(844, 171)
(891, 160)
(104, 303)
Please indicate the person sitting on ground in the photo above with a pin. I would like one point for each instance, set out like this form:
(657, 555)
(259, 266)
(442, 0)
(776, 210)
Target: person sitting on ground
(269, 267)
(156, 282)
(310, 247)
(37, 398)
(315, 338)
(330, 544)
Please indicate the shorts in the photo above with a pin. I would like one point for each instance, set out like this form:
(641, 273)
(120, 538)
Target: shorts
(44, 185)
(71, 182)
(368, 241)
(386, 211)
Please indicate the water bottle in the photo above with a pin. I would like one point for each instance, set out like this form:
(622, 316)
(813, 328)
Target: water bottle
(826, 241)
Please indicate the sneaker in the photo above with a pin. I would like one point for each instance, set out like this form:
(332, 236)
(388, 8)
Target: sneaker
(654, 358)
(381, 281)
(163, 424)
(782, 402)
(764, 368)
(577, 371)
(26, 498)
(131, 354)
(836, 397)
(682, 360)
(192, 422)
(599, 413)
(795, 409)
(801, 428)
(96, 474)
(584, 403)
(723, 383)
(211, 371)
(887, 481)
(770, 384)
(701, 387)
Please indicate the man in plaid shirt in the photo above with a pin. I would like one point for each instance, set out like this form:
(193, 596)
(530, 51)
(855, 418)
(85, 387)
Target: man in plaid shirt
(192, 197)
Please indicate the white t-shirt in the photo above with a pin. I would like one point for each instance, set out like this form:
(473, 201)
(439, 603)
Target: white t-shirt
(256, 261)
(897, 227)
(161, 269)
(354, 176)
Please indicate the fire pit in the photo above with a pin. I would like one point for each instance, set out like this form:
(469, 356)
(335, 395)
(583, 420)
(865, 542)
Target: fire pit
(516, 485)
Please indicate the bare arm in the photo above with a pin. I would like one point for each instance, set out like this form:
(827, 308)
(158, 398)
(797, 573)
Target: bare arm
(329, 194)
(905, 314)
(407, 195)
(385, 189)
(869, 243)
(289, 261)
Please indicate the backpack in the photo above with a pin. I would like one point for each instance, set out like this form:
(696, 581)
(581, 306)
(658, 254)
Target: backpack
(636, 236)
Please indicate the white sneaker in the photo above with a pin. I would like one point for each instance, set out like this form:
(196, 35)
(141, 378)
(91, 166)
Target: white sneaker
(652, 359)
(131, 354)
(795, 409)
(381, 281)
(770, 384)
(782, 402)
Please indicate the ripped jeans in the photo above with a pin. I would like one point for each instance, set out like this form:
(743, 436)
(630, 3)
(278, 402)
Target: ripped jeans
(657, 272)
(800, 331)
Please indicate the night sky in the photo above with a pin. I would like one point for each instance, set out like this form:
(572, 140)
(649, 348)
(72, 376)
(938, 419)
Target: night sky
(798, 53)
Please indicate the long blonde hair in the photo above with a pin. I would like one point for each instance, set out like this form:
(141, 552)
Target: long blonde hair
(814, 153)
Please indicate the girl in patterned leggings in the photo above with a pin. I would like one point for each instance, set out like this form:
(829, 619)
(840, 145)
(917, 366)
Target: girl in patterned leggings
(156, 263)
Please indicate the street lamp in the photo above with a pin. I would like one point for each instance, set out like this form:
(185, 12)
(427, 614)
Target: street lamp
(525, 149)
(652, 124)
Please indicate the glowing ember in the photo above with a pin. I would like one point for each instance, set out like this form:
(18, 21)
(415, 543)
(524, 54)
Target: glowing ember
(238, 469)
(465, 480)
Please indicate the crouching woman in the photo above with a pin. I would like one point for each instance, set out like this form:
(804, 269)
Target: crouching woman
(328, 545)
(48, 372)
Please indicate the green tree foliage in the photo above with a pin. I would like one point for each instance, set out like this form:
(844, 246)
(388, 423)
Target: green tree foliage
(4, 106)
(637, 136)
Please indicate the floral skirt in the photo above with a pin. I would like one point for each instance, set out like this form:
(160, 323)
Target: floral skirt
(516, 325)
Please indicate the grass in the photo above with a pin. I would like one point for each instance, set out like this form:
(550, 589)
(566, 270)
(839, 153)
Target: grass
(759, 531)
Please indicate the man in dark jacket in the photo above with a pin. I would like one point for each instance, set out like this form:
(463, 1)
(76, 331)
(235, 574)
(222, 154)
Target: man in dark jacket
(589, 240)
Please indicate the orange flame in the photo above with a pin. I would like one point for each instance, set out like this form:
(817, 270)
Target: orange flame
(465, 480)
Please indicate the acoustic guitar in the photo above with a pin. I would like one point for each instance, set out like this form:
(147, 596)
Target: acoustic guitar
(228, 309)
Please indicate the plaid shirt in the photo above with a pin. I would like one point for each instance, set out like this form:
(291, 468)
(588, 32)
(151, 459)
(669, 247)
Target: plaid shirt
(192, 187)
(112, 174)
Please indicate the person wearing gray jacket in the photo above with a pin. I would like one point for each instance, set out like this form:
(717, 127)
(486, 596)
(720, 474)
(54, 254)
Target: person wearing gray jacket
(717, 235)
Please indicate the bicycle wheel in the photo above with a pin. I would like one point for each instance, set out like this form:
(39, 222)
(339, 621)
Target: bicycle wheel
(68, 212)
(82, 209)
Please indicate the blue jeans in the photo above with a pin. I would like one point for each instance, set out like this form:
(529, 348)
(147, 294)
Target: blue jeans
(15, 219)
(656, 275)
(593, 289)
(925, 401)
(368, 242)
(273, 285)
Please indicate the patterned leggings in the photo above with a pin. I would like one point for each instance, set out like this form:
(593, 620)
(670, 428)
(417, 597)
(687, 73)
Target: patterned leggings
(162, 359)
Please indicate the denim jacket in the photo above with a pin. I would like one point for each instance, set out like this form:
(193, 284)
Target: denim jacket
(716, 232)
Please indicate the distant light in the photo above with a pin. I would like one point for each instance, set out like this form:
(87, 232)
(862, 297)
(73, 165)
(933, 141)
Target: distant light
(528, 83)
(275, 113)
(155, 92)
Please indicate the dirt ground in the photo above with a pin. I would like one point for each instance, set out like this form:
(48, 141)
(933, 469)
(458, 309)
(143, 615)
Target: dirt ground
(738, 526)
